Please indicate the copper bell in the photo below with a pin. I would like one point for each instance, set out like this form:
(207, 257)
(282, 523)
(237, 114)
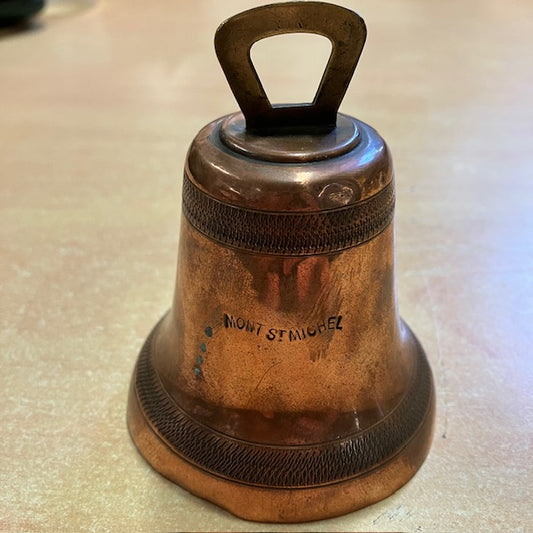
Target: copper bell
(283, 385)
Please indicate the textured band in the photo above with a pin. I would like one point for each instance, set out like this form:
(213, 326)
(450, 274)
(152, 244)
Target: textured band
(280, 466)
(302, 233)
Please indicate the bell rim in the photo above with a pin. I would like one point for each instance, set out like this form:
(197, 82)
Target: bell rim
(285, 504)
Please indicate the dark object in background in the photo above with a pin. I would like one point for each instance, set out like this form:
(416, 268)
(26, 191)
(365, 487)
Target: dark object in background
(16, 11)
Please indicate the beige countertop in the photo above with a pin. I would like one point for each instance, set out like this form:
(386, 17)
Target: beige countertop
(98, 105)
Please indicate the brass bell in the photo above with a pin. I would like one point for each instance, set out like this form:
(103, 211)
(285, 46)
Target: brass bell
(283, 384)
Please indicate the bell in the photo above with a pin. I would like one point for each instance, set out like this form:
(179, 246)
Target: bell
(283, 384)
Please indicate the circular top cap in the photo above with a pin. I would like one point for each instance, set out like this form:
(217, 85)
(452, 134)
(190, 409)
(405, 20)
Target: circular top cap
(234, 38)
(290, 148)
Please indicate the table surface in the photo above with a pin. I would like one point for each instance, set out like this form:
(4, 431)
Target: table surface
(99, 102)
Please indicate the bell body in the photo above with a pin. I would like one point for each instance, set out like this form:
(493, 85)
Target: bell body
(283, 384)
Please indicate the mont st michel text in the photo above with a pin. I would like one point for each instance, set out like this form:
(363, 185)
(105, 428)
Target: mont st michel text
(286, 334)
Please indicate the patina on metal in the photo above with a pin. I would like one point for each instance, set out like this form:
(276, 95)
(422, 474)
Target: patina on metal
(283, 384)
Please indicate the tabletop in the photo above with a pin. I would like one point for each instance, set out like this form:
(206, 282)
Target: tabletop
(99, 101)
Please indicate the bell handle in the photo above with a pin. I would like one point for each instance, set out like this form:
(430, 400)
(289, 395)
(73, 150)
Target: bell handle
(235, 37)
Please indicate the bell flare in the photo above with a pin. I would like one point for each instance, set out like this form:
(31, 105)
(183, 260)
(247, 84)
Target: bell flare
(273, 373)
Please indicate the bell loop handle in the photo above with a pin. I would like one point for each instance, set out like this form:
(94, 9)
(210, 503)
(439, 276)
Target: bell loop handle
(235, 37)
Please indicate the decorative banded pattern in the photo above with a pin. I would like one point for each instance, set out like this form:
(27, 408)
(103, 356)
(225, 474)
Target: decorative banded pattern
(302, 233)
(280, 466)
